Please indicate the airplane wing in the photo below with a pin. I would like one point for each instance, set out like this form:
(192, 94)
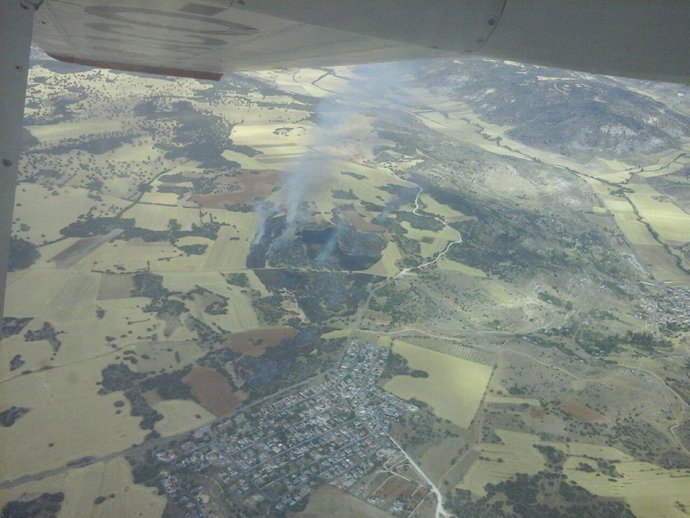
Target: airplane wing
(204, 38)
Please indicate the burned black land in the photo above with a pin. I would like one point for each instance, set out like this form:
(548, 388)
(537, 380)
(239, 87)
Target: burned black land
(335, 246)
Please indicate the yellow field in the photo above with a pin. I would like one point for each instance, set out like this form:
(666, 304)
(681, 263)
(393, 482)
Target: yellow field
(83, 485)
(122, 316)
(180, 416)
(658, 261)
(37, 355)
(68, 299)
(75, 299)
(627, 221)
(136, 255)
(258, 115)
(386, 266)
(384, 341)
(185, 281)
(144, 150)
(669, 220)
(651, 491)
(276, 149)
(517, 456)
(240, 316)
(162, 358)
(613, 164)
(47, 214)
(463, 269)
(454, 388)
(242, 159)
(256, 284)
(334, 503)
(619, 176)
(434, 207)
(582, 449)
(439, 239)
(162, 198)
(226, 254)
(651, 253)
(66, 395)
(448, 121)
(29, 291)
(157, 217)
(67, 130)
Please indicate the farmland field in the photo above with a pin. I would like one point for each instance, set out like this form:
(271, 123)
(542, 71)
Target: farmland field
(255, 342)
(212, 391)
(111, 480)
(454, 387)
(180, 416)
(329, 501)
(650, 490)
(497, 462)
(669, 220)
(29, 446)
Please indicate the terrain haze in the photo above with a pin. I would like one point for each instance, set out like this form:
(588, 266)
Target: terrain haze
(431, 289)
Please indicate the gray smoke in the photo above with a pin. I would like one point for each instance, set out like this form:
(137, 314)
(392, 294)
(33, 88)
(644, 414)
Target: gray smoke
(264, 210)
(390, 207)
(375, 85)
(395, 202)
(302, 177)
(331, 244)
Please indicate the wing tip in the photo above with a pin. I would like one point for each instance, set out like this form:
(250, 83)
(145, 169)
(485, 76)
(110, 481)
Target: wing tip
(131, 67)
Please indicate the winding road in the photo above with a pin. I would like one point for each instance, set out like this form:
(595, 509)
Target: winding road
(440, 255)
(440, 511)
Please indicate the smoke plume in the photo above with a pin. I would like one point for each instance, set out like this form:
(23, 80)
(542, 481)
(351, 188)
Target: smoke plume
(374, 87)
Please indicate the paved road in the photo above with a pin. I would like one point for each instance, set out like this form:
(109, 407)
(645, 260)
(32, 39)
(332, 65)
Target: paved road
(440, 511)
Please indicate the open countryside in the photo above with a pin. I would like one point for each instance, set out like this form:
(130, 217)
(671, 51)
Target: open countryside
(351, 291)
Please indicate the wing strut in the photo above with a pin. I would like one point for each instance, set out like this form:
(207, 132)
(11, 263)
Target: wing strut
(16, 24)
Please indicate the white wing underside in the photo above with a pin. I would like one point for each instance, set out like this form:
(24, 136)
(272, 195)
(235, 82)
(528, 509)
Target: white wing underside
(196, 38)
(635, 38)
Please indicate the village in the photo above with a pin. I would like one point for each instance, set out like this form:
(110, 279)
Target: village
(669, 310)
(335, 432)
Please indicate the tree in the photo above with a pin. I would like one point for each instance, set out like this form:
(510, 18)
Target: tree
(22, 254)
